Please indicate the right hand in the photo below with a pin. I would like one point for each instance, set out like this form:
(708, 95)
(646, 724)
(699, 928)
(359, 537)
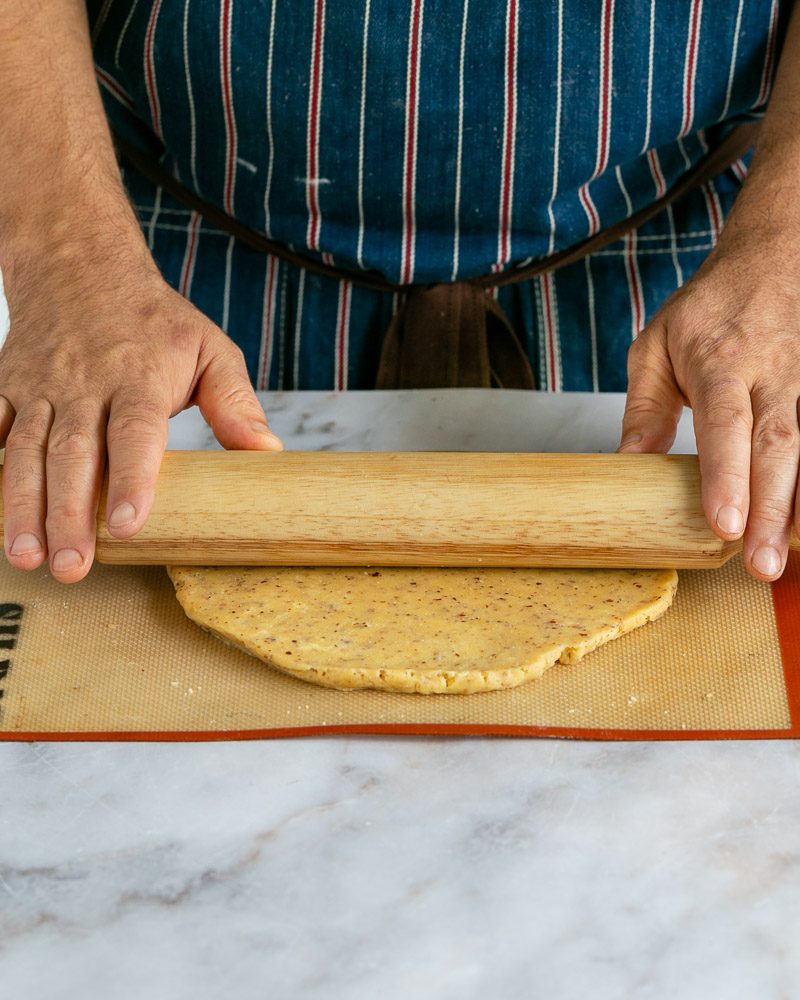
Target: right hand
(100, 353)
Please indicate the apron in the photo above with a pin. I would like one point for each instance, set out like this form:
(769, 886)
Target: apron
(432, 141)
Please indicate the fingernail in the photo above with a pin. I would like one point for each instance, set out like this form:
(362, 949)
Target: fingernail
(730, 520)
(767, 561)
(66, 559)
(24, 543)
(123, 513)
(629, 440)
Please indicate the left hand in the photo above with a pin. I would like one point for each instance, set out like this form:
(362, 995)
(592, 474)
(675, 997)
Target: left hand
(727, 344)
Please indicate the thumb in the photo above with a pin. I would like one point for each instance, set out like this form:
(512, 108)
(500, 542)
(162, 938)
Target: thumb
(229, 404)
(654, 403)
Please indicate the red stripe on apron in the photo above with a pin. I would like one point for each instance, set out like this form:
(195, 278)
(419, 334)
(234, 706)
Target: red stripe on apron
(227, 102)
(150, 71)
(690, 66)
(314, 104)
(410, 165)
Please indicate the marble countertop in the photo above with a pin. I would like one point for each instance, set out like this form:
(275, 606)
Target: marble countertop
(397, 867)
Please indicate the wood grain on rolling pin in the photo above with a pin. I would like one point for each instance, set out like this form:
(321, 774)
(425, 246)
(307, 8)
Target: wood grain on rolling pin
(423, 509)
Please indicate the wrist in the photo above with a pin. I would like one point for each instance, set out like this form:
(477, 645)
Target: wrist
(71, 237)
(760, 241)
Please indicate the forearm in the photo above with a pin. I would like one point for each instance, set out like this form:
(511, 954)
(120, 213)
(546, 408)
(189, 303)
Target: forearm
(769, 203)
(59, 180)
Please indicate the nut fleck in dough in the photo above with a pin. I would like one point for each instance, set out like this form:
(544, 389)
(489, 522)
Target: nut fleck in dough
(427, 631)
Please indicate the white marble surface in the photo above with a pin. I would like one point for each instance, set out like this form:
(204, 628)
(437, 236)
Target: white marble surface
(365, 867)
(437, 420)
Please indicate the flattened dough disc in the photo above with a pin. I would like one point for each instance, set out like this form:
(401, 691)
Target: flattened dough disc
(426, 630)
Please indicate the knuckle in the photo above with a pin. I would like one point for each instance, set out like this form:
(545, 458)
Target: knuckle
(644, 405)
(129, 485)
(236, 361)
(68, 507)
(776, 437)
(727, 477)
(721, 414)
(145, 422)
(64, 520)
(20, 491)
(25, 441)
(724, 351)
(28, 434)
(22, 474)
(21, 478)
(73, 440)
(184, 335)
(235, 350)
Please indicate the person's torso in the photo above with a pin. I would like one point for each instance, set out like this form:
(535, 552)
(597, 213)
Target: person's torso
(433, 139)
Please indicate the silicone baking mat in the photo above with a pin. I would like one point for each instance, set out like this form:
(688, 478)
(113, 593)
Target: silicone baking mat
(115, 658)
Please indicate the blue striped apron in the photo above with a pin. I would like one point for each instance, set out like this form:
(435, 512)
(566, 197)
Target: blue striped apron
(432, 140)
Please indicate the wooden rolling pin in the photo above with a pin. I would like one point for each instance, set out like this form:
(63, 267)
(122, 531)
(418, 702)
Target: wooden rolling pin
(423, 509)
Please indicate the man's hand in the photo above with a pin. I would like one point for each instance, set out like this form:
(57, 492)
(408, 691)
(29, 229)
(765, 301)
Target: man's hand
(728, 345)
(100, 353)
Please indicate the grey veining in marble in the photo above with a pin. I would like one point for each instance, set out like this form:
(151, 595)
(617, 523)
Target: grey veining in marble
(367, 867)
(438, 420)
(394, 868)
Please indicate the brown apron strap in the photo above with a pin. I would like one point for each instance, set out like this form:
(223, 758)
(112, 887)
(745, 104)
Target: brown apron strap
(732, 148)
(450, 334)
(157, 174)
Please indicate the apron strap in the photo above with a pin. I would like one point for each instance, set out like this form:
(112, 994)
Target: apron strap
(450, 334)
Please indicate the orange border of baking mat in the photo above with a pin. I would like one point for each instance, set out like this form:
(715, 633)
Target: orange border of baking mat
(786, 602)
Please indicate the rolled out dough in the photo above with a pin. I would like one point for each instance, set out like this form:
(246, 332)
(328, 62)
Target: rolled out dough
(429, 631)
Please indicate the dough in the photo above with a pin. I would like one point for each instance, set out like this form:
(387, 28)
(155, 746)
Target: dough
(419, 630)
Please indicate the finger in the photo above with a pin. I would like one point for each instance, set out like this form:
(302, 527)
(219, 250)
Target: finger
(75, 459)
(723, 425)
(24, 486)
(230, 406)
(654, 402)
(137, 437)
(773, 482)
